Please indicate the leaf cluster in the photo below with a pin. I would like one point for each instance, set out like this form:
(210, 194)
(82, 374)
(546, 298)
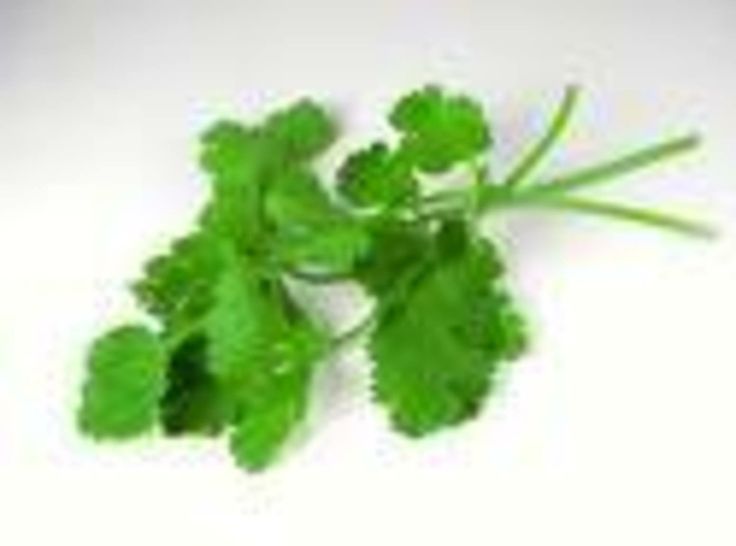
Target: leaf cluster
(231, 351)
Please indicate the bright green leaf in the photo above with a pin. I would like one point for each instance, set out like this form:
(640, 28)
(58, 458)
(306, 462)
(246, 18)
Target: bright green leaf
(440, 130)
(177, 286)
(271, 413)
(438, 347)
(127, 378)
(310, 230)
(265, 350)
(300, 131)
(376, 176)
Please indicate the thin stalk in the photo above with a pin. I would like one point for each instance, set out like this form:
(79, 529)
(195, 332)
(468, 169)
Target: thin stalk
(354, 333)
(182, 334)
(558, 125)
(604, 172)
(319, 278)
(617, 211)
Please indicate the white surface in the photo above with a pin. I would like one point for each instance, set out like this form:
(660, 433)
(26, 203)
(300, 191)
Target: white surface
(618, 429)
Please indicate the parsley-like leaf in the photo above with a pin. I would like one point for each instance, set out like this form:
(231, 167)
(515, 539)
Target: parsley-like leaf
(378, 176)
(301, 131)
(127, 379)
(395, 248)
(239, 165)
(177, 287)
(265, 349)
(310, 230)
(273, 409)
(439, 130)
(437, 348)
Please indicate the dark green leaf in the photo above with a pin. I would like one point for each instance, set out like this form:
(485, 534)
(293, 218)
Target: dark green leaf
(195, 401)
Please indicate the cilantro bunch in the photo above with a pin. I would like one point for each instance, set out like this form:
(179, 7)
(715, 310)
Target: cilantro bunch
(231, 350)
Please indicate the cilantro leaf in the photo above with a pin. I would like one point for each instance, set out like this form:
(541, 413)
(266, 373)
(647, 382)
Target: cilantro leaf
(436, 349)
(246, 162)
(395, 248)
(272, 412)
(376, 176)
(177, 287)
(310, 229)
(439, 130)
(265, 349)
(126, 381)
(238, 163)
(244, 322)
(301, 131)
(227, 151)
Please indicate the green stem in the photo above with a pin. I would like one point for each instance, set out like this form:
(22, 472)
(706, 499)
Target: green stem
(604, 172)
(319, 278)
(557, 127)
(182, 334)
(617, 211)
(354, 333)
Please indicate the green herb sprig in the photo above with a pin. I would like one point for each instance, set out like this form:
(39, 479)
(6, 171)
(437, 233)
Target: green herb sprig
(232, 352)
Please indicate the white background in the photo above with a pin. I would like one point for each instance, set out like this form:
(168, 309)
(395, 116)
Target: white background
(617, 429)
